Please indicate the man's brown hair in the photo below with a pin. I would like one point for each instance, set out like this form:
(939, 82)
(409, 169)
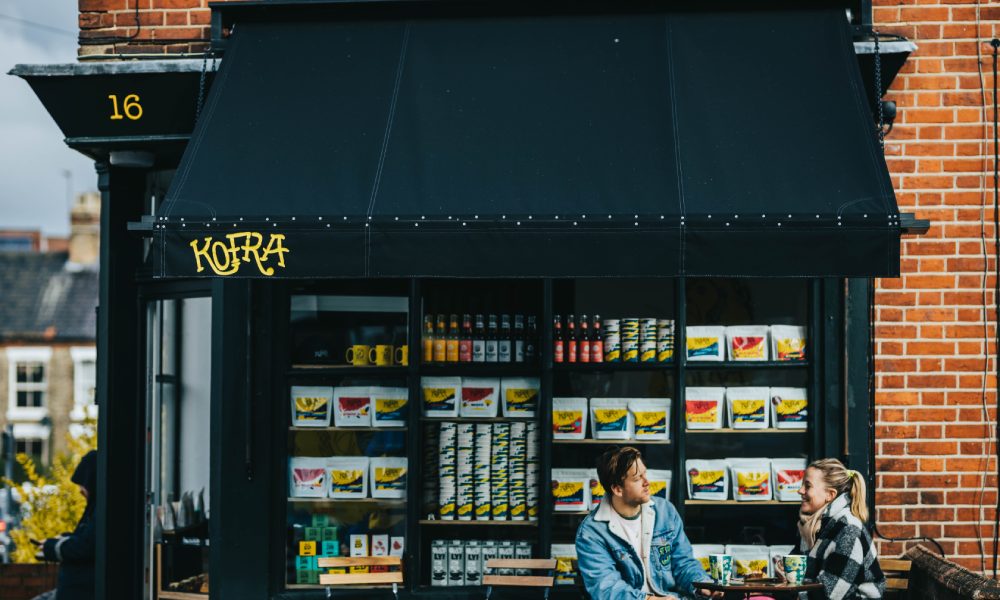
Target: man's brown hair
(613, 466)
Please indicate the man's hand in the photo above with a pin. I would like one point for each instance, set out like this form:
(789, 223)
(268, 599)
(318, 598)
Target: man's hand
(709, 593)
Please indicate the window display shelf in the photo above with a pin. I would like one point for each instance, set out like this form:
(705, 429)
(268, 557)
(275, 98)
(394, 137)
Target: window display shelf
(491, 523)
(475, 419)
(708, 365)
(479, 369)
(348, 429)
(730, 430)
(380, 501)
(613, 442)
(611, 367)
(739, 503)
(347, 371)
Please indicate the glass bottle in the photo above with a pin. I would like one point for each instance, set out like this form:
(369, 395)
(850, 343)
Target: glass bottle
(465, 340)
(558, 345)
(479, 341)
(571, 343)
(451, 345)
(492, 343)
(504, 341)
(441, 340)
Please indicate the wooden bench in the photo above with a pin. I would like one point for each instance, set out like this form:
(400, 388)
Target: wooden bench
(530, 564)
(897, 575)
(395, 576)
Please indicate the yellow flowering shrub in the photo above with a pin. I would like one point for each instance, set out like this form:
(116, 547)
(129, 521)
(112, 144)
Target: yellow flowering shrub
(52, 504)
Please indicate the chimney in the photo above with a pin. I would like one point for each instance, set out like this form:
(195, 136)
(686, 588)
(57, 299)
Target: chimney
(85, 229)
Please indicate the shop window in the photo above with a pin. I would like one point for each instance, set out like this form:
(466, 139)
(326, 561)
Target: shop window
(702, 375)
(84, 383)
(349, 468)
(178, 417)
(28, 374)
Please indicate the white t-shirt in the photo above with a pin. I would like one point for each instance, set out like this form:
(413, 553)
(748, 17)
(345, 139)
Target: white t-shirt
(633, 534)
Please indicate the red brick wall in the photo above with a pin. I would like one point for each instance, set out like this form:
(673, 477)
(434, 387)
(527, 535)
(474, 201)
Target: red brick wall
(932, 435)
(933, 438)
(165, 26)
(23, 582)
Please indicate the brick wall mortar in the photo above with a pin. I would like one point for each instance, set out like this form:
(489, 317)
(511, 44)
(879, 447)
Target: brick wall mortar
(930, 371)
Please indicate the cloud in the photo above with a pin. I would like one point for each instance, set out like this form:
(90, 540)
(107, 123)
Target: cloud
(33, 157)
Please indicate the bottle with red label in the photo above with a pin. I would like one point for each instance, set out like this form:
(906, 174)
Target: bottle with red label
(584, 344)
(465, 340)
(558, 347)
(571, 342)
(596, 343)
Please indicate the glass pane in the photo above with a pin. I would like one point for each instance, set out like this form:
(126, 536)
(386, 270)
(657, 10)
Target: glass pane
(348, 464)
(747, 346)
(480, 367)
(178, 401)
(30, 373)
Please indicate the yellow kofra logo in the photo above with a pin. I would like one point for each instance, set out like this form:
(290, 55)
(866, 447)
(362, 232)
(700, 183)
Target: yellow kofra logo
(226, 257)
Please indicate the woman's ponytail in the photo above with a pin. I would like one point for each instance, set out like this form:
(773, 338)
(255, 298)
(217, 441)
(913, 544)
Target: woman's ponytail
(859, 496)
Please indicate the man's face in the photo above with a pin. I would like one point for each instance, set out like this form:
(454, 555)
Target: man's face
(635, 488)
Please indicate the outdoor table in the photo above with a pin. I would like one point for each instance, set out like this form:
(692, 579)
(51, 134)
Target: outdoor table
(779, 591)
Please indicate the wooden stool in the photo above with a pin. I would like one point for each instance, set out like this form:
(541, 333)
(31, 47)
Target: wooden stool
(532, 564)
(897, 575)
(394, 577)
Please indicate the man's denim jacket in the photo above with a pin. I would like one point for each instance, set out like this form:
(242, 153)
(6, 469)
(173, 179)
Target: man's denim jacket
(611, 569)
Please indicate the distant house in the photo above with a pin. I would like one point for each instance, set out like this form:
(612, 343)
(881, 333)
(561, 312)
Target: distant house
(48, 324)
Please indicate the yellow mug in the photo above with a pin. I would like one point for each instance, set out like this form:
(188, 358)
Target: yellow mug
(381, 355)
(357, 355)
(403, 355)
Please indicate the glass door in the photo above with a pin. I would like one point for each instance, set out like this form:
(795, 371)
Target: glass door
(178, 381)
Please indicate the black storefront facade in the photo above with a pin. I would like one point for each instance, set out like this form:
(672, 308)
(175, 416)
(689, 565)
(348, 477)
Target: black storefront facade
(355, 168)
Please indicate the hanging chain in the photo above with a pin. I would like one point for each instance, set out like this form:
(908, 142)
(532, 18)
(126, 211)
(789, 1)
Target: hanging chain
(201, 83)
(878, 94)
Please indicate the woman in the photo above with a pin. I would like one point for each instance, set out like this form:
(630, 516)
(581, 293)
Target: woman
(831, 524)
(75, 552)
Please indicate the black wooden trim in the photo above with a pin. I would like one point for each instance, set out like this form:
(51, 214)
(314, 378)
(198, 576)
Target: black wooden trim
(120, 376)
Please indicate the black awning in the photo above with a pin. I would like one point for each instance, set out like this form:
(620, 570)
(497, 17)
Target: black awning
(688, 143)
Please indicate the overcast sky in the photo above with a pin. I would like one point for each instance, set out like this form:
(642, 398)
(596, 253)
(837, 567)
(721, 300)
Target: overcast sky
(34, 161)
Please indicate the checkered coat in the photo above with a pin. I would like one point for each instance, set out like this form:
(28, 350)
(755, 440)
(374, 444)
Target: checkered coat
(843, 558)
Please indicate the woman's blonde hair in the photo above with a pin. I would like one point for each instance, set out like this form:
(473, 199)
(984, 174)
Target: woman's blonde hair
(845, 481)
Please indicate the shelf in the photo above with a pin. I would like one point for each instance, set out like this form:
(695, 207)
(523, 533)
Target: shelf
(613, 367)
(475, 419)
(708, 365)
(482, 523)
(347, 371)
(381, 501)
(613, 442)
(480, 369)
(730, 430)
(168, 595)
(349, 429)
(316, 586)
(739, 503)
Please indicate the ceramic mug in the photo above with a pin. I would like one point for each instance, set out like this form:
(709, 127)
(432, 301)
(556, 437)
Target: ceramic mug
(720, 567)
(403, 355)
(795, 568)
(381, 355)
(357, 355)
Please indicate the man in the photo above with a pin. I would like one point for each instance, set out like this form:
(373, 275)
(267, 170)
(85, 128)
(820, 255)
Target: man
(633, 547)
